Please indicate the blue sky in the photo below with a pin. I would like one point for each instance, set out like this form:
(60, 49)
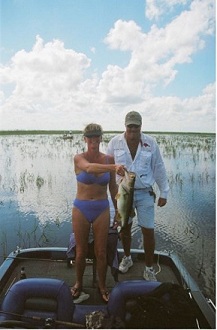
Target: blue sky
(65, 63)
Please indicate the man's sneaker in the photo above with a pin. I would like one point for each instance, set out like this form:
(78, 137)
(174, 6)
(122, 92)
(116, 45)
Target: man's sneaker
(125, 264)
(149, 275)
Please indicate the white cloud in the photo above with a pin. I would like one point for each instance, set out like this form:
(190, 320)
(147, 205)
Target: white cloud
(46, 72)
(49, 86)
(175, 114)
(93, 50)
(156, 8)
(124, 36)
(154, 55)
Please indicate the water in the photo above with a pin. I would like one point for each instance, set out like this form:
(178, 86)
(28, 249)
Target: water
(37, 187)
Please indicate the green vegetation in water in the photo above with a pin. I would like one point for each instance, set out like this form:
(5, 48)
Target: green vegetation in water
(50, 132)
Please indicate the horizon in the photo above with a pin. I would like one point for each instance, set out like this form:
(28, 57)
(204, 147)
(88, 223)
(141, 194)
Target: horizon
(62, 131)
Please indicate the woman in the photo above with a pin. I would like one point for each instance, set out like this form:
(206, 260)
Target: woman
(94, 172)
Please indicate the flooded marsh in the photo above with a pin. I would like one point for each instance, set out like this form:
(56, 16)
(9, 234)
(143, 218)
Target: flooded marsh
(37, 188)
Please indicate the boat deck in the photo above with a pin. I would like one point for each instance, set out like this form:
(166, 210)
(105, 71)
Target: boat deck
(59, 269)
(53, 263)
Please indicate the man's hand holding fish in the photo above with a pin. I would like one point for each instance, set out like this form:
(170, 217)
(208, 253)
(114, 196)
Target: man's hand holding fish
(120, 169)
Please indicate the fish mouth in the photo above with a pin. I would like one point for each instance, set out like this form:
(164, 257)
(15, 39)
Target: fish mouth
(130, 173)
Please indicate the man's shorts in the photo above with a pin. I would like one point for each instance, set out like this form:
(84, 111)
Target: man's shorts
(143, 203)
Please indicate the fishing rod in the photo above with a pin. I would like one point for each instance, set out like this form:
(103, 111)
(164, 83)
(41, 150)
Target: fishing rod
(48, 322)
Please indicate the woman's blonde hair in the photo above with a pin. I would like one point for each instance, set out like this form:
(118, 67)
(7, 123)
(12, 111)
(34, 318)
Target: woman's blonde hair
(93, 130)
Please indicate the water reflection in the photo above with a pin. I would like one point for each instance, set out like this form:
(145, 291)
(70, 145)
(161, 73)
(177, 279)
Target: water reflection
(37, 187)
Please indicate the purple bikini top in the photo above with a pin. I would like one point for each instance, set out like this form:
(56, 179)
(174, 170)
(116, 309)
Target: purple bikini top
(90, 178)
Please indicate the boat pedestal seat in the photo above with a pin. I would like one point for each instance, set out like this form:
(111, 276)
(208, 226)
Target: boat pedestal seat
(37, 299)
(117, 302)
(128, 290)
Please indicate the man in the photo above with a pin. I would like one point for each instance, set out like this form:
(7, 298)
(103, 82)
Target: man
(140, 153)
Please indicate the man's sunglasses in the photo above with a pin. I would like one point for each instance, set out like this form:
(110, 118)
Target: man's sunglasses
(133, 126)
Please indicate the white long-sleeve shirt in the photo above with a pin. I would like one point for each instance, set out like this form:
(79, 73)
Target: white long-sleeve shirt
(147, 164)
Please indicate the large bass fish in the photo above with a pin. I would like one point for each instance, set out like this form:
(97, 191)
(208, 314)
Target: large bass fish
(124, 199)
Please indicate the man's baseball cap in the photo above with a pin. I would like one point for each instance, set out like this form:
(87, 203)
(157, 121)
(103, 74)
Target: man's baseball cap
(133, 118)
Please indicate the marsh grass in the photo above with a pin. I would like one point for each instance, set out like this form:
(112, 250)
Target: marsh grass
(189, 160)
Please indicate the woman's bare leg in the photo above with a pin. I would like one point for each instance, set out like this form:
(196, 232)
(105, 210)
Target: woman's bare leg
(101, 229)
(81, 228)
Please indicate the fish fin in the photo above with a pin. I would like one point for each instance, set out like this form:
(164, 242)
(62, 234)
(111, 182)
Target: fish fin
(117, 196)
(119, 180)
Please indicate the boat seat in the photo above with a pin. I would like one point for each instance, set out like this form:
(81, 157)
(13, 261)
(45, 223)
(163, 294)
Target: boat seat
(117, 305)
(37, 299)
